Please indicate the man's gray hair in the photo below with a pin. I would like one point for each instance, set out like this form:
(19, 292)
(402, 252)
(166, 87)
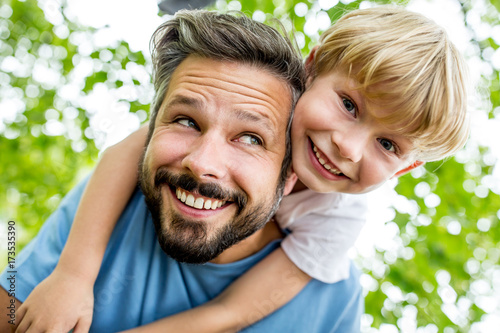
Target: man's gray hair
(226, 37)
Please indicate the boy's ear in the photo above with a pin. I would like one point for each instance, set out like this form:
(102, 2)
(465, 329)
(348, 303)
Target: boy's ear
(309, 63)
(408, 168)
(290, 183)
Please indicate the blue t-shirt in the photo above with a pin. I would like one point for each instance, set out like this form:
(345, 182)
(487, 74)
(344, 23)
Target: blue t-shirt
(138, 283)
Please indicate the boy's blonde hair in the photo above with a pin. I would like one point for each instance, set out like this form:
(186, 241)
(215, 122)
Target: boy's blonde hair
(405, 62)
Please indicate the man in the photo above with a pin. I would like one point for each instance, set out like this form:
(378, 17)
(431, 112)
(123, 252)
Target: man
(219, 131)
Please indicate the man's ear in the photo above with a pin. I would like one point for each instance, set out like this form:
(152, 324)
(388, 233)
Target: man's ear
(290, 183)
(408, 168)
(309, 63)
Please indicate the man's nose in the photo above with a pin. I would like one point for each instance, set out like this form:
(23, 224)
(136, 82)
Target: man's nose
(206, 158)
(351, 143)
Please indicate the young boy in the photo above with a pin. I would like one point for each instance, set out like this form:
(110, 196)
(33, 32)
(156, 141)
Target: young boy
(385, 93)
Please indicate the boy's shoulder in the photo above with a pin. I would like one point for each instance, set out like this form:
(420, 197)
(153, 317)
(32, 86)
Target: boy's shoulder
(308, 202)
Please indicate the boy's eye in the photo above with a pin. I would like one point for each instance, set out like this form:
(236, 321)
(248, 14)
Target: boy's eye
(187, 122)
(387, 145)
(349, 106)
(250, 139)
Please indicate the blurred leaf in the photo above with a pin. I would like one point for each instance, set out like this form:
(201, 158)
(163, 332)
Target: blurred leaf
(459, 237)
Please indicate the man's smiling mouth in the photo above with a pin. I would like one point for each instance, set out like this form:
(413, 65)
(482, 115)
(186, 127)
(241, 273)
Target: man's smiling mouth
(197, 201)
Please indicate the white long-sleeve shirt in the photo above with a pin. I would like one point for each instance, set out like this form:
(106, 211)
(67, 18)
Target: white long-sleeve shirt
(324, 226)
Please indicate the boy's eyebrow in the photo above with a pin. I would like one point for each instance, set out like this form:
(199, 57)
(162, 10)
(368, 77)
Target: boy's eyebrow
(359, 99)
(356, 94)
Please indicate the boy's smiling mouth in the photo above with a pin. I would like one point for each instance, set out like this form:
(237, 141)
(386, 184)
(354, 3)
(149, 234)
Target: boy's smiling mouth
(325, 162)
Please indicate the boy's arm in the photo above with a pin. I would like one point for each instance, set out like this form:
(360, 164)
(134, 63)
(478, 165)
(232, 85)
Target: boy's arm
(266, 287)
(102, 203)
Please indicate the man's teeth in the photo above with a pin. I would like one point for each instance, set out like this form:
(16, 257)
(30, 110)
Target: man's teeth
(325, 165)
(198, 203)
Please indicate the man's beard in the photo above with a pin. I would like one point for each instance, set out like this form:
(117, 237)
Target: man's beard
(190, 240)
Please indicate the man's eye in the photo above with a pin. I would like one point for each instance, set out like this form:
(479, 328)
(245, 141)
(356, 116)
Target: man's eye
(187, 122)
(349, 106)
(387, 145)
(250, 139)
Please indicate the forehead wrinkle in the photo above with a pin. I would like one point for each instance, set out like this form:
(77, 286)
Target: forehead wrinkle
(262, 96)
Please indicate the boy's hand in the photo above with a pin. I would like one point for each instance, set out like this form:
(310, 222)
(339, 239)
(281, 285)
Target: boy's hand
(59, 303)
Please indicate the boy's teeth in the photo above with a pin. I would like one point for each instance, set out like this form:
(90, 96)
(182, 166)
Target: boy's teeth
(323, 163)
(198, 203)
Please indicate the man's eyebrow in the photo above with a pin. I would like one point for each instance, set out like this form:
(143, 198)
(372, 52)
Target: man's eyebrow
(184, 100)
(241, 114)
(246, 115)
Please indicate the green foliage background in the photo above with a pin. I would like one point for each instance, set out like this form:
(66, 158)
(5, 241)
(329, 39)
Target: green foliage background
(444, 275)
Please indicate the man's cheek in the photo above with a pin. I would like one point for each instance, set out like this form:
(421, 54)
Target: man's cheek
(157, 154)
(170, 148)
(146, 170)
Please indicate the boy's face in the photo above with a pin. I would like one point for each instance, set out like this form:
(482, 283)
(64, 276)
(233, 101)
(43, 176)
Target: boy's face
(338, 143)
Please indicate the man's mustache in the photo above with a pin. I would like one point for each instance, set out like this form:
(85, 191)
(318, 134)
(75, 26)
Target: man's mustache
(190, 184)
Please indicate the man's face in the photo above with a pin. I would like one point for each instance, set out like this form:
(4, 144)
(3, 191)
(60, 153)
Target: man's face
(210, 172)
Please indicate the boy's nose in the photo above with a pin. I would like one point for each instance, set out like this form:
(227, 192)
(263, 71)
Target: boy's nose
(205, 158)
(350, 144)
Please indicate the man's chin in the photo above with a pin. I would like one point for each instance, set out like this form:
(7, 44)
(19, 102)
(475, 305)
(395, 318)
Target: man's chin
(192, 244)
(191, 241)
(188, 240)
(195, 242)
(192, 254)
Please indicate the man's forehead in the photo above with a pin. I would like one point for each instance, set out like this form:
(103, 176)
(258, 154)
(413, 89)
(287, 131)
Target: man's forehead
(249, 88)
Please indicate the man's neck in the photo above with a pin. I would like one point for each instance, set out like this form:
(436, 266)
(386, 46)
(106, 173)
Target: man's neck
(251, 244)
